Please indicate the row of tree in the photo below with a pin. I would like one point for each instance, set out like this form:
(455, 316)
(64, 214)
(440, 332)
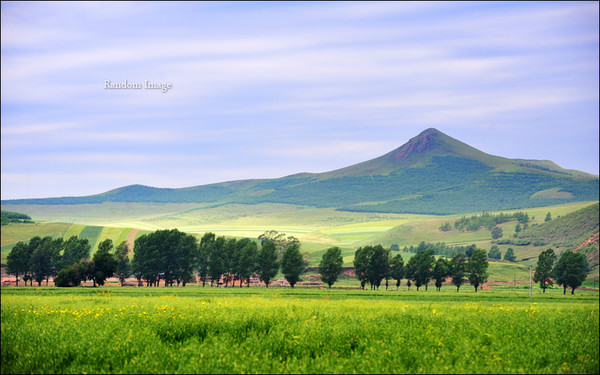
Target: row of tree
(373, 264)
(68, 262)
(570, 271)
(175, 257)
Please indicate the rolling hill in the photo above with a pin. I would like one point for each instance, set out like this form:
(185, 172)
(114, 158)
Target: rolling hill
(431, 174)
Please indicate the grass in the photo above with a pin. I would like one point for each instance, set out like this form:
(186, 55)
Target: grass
(283, 330)
(317, 228)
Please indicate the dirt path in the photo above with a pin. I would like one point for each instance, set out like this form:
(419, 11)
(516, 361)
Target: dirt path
(131, 239)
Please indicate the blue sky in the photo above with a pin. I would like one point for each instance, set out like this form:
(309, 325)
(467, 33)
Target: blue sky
(264, 90)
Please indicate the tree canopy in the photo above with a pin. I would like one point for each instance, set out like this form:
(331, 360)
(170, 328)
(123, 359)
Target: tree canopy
(331, 265)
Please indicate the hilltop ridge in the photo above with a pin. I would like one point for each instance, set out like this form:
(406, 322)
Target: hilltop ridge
(431, 173)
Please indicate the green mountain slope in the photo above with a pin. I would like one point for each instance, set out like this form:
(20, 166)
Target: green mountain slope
(432, 174)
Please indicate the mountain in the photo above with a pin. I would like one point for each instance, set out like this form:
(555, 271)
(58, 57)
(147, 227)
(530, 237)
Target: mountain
(431, 174)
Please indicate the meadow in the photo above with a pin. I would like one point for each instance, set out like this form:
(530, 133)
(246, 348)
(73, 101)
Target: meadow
(284, 330)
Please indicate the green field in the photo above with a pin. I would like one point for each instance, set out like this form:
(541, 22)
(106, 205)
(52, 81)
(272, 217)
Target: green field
(283, 330)
(317, 228)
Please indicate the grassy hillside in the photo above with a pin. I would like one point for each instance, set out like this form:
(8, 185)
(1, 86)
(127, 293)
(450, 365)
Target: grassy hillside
(567, 231)
(13, 233)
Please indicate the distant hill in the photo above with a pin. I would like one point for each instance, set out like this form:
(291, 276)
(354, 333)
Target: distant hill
(431, 174)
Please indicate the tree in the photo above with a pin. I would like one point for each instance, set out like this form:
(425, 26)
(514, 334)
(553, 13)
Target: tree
(123, 269)
(496, 232)
(548, 217)
(457, 269)
(281, 241)
(440, 272)
(379, 266)
(495, 253)
(518, 228)
(361, 264)
(41, 260)
(74, 250)
(331, 265)
(103, 262)
(73, 274)
(216, 260)
(146, 258)
(246, 265)
(267, 263)
(17, 261)
(292, 264)
(445, 227)
(397, 269)
(570, 270)
(477, 268)
(230, 259)
(543, 270)
(420, 266)
(204, 252)
(510, 255)
(469, 250)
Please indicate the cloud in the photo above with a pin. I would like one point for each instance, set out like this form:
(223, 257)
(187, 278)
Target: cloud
(261, 86)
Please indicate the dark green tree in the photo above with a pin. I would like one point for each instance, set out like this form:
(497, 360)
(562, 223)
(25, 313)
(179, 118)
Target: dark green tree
(518, 228)
(123, 269)
(17, 261)
(41, 260)
(146, 258)
(204, 251)
(496, 233)
(510, 255)
(230, 259)
(548, 217)
(361, 264)
(469, 250)
(441, 271)
(103, 262)
(543, 270)
(419, 267)
(74, 250)
(458, 265)
(477, 268)
(397, 269)
(246, 265)
(495, 253)
(379, 266)
(292, 264)
(267, 263)
(56, 248)
(570, 270)
(445, 227)
(331, 265)
(216, 260)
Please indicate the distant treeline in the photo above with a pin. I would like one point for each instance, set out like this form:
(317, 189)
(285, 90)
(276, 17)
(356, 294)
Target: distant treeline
(488, 220)
(14, 217)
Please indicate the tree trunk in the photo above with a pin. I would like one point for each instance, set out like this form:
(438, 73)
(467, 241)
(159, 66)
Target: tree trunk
(543, 290)
(564, 290)
(572, 291)
(457, 288)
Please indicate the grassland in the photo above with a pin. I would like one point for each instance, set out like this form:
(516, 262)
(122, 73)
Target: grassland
(317, 228)
(283, 330)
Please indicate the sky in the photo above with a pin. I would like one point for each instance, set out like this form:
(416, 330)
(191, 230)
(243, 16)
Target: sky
(269, 89)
